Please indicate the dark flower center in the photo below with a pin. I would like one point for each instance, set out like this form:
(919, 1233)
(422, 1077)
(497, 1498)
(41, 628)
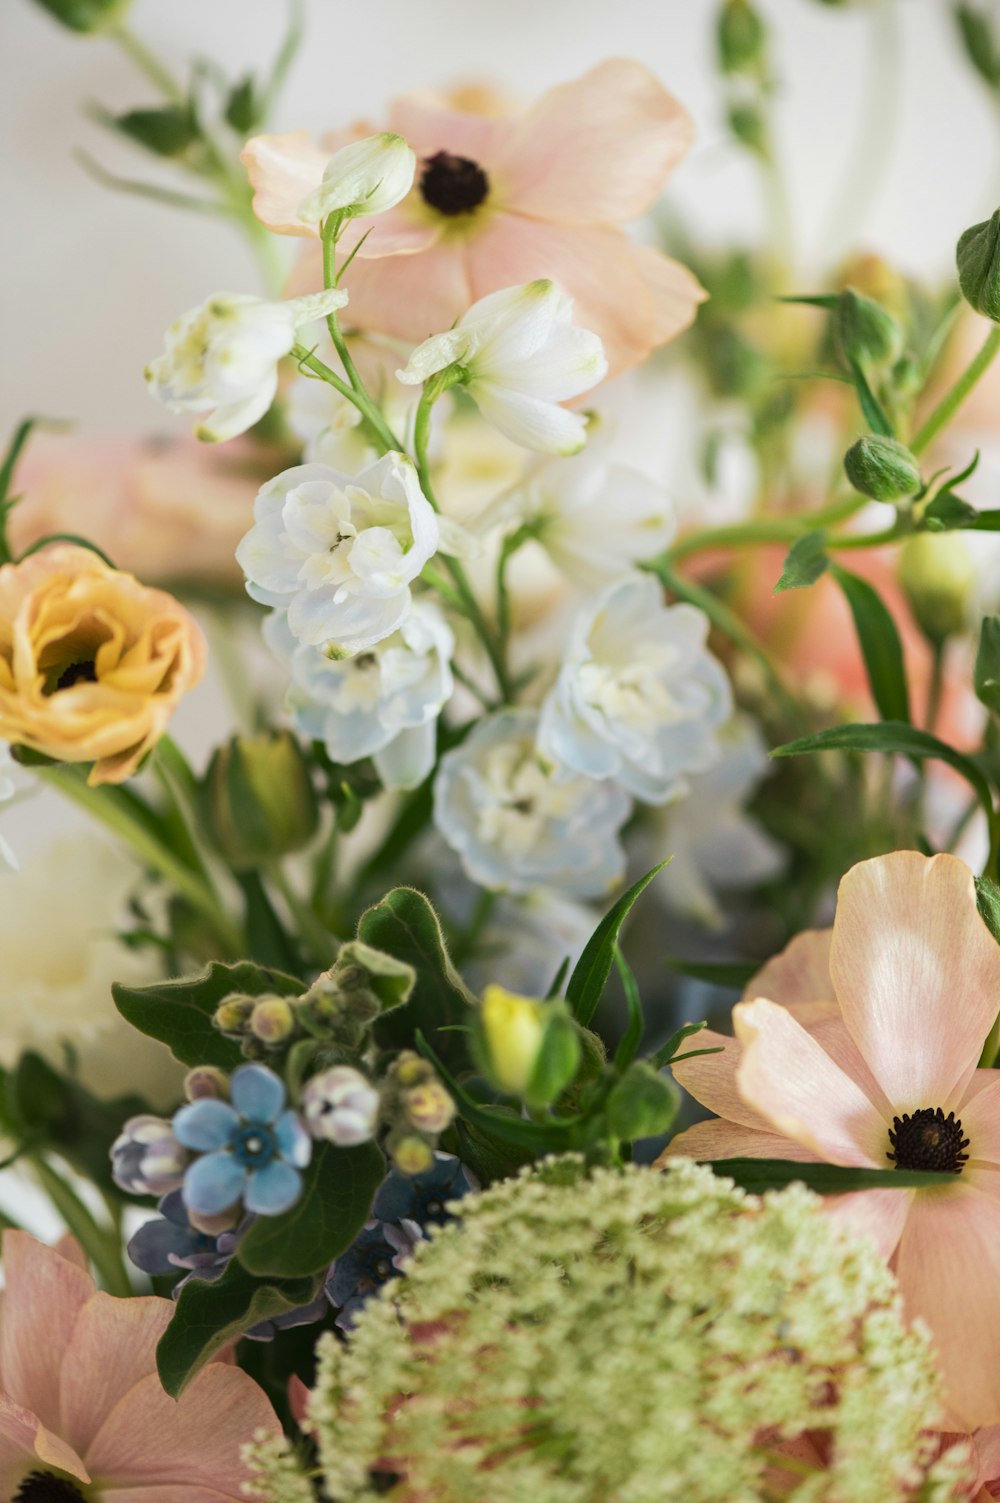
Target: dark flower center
(453, 185)
(928, 1140)
(43, 1487)
(254, 1146)
(83, 671)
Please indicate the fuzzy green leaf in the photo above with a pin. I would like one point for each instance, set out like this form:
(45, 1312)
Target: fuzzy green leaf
(179, 1013)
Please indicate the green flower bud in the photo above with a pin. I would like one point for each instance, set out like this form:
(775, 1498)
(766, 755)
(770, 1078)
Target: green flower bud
(864, 331)
(410, 1154)
(232, 1017)
(882, 468)
(363, 970)
(86, 15)
(272, 1020)
(741, 37)
(206, 1081)
(937, 575)
(258, 798)
(978, 258)
(527, 1048)
(642, 1104)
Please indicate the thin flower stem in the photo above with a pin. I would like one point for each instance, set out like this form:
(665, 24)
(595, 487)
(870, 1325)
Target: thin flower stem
(361, 400)
(147, 63)
(101, 1244)
(309, 922)
(331, 231)
(946, 409)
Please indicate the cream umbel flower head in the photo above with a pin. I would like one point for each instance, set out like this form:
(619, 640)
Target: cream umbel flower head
(92, 663)
(519, 354)
(222, 358)
(366, 177)
(632, 1336)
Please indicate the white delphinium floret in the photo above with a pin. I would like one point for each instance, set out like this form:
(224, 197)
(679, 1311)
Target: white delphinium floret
(365, 177)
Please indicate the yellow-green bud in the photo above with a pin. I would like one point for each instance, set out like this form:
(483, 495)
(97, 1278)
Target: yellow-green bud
(978, 258)
(937, 574)
(272, 1020)
(864, 331)
(429, 1107)
(232, 1016)
(642, 1104)
(882, 468)
(206, 1082)
(410, 1154)
(529, 1048)
(741, 37)
(258, 798)
(86, 15)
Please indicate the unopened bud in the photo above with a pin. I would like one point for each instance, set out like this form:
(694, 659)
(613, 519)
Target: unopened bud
(882, 468)
(146, 1157)
(87, 15)
(232, 1017)
(341, 1106)
(429, 1107)
(642, 1104)
(258, 799)
(410, 1154)
(529, 1048)
(272, 1020)
(864, 331)
(741, 37)
(366, 177)
(206, 1082)
(978, 258)
(937, 573)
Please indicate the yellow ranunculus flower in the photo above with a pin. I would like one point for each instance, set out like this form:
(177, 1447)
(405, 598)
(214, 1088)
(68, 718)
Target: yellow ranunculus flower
(92, 663)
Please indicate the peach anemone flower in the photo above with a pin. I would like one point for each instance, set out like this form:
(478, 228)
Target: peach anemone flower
(859, 1046)
(83, 1418)
(502, 201)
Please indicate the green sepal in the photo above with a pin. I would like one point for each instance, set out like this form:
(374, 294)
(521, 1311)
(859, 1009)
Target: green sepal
(805, 562)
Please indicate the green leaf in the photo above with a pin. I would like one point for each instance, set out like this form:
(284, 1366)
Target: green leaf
(179, 1013)
(894, 737)
(880, 645)
(988, 903)
(669, 1051)
(947, 513)
(338, 1190)
(987, 672)
(489, 1157)
(405, 926)
(167, 132)
(51, 1110)
(805, 563)
(591, 972)
(628, 1047)
(873, 412)
(758, 1175)
(980, 45)
(243, 107)
(209, 1315)
(717, 972)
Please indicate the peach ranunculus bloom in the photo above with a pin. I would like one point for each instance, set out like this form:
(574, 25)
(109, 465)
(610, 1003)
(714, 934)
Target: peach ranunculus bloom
(503, 201)
(82, 1412)
(169, 510)
(92, 663)
(859, 1046)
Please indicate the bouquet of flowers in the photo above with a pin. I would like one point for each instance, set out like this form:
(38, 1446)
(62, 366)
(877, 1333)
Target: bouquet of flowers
(342, 1067)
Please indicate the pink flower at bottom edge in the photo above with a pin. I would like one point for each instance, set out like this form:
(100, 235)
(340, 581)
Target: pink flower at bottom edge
(859, 1046)
(81, 1404)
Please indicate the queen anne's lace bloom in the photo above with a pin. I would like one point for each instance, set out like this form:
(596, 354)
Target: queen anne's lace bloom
(632, 1335)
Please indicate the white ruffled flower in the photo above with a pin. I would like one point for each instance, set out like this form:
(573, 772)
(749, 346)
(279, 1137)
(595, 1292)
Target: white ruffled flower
(714, 842)
(339, 552)
(366, 177)
(222, 357)
(516, 825)
(383, 703)
(519, 354)
(595, 520)
(639, 698)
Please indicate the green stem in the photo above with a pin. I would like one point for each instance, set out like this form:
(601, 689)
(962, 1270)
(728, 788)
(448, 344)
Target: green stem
(309, 922)
(737, 535)
(946, 409)
(361, 400)
(101, 1244)
(147, 63)
(331, 230)
(935, 688)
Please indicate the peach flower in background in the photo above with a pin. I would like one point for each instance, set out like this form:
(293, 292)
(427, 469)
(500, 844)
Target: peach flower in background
(92, 663)
(859, 1046)
(505, 200)
(164, 509)
(82, 1412)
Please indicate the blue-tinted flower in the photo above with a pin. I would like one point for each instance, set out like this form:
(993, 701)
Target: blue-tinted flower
(422, 1198)
(251, 1150)
(374, 1257)
(147, 1158)
(171, 1243)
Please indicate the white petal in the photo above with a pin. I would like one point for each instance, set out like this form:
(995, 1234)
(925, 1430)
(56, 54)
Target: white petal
(409, 758)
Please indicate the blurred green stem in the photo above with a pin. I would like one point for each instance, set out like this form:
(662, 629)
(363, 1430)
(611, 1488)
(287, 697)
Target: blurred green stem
(949, 405)
(147, 62)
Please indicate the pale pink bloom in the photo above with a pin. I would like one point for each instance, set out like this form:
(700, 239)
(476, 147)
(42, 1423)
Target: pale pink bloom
(503, 201)
(839, 1038)
(80, 1400)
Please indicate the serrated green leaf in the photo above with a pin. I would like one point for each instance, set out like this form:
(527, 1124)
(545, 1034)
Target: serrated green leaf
(179, 1013)
(405, 926)
(880, 645)
(758, 1175)
(806, 561)
(591, 972)
(338, 1189)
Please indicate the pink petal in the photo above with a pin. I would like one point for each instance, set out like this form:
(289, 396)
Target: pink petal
(794, 1083)
(674, 291)
(282, 170)
(725, 1140)
(44, 1294)
(917, 975)
(800, 973)
(69, 1248)
(711, 1079)
(980, 1118)
(431, 126)
(407, 297)
(395, 233)
(605, 272)
(879, 1215)
(25, 1440)
(113, 1347)
(166, 1492)
(151, 1438)
(598, 149)
(948, 1268)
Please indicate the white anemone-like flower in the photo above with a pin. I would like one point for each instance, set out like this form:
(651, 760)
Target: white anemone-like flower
(715, 844)
(339, 552)
(516, 825)
(366, 177)
(222, 357)
(639, 698)
(519, 354)
(383, 703)
(595, 520)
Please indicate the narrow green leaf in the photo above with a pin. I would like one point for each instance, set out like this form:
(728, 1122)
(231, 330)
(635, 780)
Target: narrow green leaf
(894, 737)
(717, 972)
(405, 926)
(179, 1013)
(880, 645)
(668, 1052)
(338, 1190)
(555, 990)
(758, 1175)
(805, 563)
(628, 1048)
(874, 413)
(987, 671)
(590, 974)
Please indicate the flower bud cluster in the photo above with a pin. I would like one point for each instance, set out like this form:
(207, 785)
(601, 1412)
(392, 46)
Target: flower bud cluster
(417, 1109)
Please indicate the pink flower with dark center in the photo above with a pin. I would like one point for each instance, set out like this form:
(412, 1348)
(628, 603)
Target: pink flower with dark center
(859, 1046)
(502, 201)
(83, 1417)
